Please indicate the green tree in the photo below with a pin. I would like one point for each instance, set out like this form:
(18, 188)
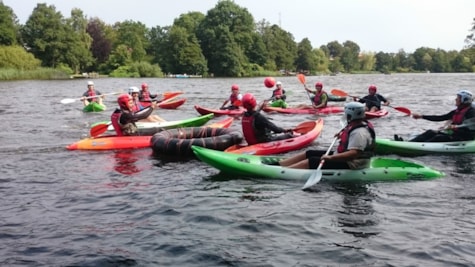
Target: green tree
(383, 62)
(306, 58)
(367, 61)
(8, 26)
(158, 37)
(349, 57)
(15, 57)
(101, 45)
(134, 35)
(78, 54)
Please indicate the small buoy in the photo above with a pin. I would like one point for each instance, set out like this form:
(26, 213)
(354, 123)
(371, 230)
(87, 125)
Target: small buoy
(269, 82)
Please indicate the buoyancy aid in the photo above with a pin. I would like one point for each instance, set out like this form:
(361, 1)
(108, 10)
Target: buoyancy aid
(91, 94)
(115, 117)
(459, 115)
(345, 135)
(248, 128)
(145, 96)
(128, 128)
(318, 97)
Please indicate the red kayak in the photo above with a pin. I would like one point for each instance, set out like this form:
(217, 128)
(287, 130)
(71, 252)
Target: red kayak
(219, 112)
(320, 111)
(172, 103)
(110, 142)
(167, 96)
(304, 134)
(377, 114)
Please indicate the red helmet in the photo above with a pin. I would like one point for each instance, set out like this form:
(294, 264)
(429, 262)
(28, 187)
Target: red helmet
(372, 88)
(319, 85)
(235, 87)
(249, 101)
(123, 100)
(144, 85)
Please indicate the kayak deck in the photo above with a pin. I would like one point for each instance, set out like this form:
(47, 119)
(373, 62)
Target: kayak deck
(405, 148)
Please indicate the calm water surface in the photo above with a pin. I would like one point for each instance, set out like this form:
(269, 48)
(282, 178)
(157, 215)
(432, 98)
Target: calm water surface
(130, 208)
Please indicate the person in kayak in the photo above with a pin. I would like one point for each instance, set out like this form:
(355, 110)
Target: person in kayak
(460, 128)
(234, 99)
(278, 96)
(319, 99)
(145, 95)
(137, 106)
(256, 127)
(123, 118)
(357, 143)
(91, 95)
(373, 100)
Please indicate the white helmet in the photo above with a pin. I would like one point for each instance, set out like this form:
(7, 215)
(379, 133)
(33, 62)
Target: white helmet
(278, 83)
(133, 89)
(354, 111)
(466, 96)
(90, 83)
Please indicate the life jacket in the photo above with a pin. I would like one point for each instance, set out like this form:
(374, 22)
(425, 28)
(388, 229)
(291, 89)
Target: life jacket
(278, 92)
(234, 100)
(345, 135)
(248, 130)
(318, 98)
(459, 115)
(91, 94)
(115, 120)
(137, 106)
(145, 96)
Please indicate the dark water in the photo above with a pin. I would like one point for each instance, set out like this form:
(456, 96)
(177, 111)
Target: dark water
(129, 208)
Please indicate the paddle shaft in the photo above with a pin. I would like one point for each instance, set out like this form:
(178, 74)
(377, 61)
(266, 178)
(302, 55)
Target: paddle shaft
(317, 174)
(72, 100)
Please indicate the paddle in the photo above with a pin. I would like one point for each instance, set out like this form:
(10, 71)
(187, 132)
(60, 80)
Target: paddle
(339, 92)
(316, 176)
(301, 78)
(99, 129)
(72, 100)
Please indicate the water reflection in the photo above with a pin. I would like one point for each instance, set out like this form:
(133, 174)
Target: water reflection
(357, 216)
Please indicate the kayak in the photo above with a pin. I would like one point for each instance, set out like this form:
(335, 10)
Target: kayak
(109, 142)
(94, 107)
(405, 148)
(376, 114)
(336, 98)
(219, 112)
(325, 110)
(172, 103)
(150, 128)
(304, 134)
(381, 169)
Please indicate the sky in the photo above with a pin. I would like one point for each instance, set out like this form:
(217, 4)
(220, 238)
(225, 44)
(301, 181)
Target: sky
(375, 25)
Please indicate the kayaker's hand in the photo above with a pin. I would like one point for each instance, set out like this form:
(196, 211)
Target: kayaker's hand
(326, 157)
(416, 115)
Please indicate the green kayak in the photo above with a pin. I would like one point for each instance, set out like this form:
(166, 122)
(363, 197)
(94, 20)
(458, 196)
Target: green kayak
(150, 128)
(94, 107)
(404, 148)
(381, 169)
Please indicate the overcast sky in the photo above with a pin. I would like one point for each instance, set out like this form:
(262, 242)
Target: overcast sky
(375, 25)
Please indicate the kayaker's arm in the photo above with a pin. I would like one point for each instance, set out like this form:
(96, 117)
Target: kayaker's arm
(344, 156)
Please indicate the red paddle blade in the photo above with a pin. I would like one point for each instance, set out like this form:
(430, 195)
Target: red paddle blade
(338, 92)
(301, 78)
(403, 110)
(98, 129)
(304, 127)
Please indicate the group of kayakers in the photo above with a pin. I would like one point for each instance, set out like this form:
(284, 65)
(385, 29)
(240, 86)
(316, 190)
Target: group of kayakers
(357, 138)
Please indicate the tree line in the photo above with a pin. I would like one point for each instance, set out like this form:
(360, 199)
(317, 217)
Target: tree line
(224, 42)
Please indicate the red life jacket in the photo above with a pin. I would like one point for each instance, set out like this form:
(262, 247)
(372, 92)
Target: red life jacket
(248, 131)
(115, 120)
(91, 94)
(318, 98)
(278, 92)
(137, 106)
(459, 115)
(145, 96)
(345, 135)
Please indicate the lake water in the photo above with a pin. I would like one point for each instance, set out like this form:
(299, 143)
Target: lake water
(131, 208)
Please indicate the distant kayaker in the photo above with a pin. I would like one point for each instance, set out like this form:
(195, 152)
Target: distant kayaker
(137, 105)
(357, 142)
(373, 100)
(123, 118)
(91, 95)
(145, 95)
(462, 127)
(278, 96)
(319, 97)
(256, 127)
(234, 99)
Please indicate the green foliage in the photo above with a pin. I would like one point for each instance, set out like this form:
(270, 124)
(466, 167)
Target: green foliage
(124, 72)
(16, 57)
(36, 74)
(8, 26)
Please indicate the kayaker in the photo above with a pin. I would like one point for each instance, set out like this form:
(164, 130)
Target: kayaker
(278, 96)
(123, 118)
(373, 100)
(357, 142)
(234, 99)
(145, 95)
(463, 114)
(256, 127)
(137, 106)
(91, 95)
(319, 98)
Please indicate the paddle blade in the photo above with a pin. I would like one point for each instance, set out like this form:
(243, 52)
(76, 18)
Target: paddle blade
(338, 92)
(301, 78)
(403, 110)
(99, 129)
(68, 101)
(314, 178)
(304, 127)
